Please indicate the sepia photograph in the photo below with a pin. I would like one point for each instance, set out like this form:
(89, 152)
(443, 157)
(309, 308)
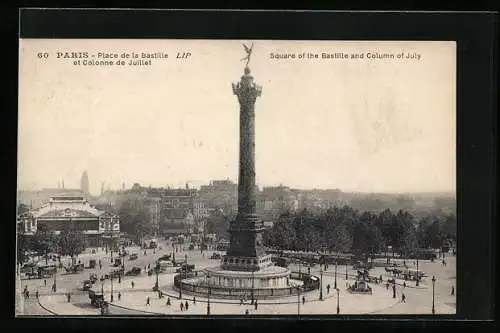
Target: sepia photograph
(198, 177)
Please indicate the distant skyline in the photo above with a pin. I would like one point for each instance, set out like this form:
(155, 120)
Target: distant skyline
(360, 126)
(129, 185)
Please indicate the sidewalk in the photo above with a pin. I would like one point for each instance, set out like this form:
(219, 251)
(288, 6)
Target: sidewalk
(349, 303)
(59, 305)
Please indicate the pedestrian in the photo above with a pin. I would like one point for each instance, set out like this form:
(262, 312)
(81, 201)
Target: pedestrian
(241, 301)
(132, 284)
(182, 306)
(147, 301)
(194, 300)
(45, 282)
(246, 312)
(54, 287)
(27, 294)
(69, 297)
(328, 288)
(303, 300)
(403, 298)
(119, 295)
(404, 284)
(168, 301)
(36, 294)
(186, 305)
(119, 279)
(452, 290)
(255, 304)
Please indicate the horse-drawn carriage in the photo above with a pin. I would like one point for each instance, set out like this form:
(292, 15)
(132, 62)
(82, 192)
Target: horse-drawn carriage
(133, 272)
(360, 287)
(97, 300)
(93, 278)
(73, 269)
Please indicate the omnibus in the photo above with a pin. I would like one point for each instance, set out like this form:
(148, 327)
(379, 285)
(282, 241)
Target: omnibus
(413, 274)
(423, 254)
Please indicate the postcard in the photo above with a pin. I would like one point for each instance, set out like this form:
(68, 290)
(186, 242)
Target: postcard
(189, 177)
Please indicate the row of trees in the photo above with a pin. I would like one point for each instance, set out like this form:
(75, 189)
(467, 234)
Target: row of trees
(348, 230)
(69, 242)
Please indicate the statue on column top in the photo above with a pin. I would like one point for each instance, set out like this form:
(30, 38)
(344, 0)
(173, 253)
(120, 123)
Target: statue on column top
(248, 50)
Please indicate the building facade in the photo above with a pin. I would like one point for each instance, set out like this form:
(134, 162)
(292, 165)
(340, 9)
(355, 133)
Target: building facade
(99, 227)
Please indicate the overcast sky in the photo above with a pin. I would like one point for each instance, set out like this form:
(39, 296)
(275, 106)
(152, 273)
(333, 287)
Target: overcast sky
(355, 124)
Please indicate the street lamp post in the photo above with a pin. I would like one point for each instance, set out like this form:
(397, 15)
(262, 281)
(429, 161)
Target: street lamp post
(157, 286)
(253, 286)
(173, 253)
(418, 276)
(111, 246)
(298, 300)
(338, 300)
(321, 285)
(346, 276)
(433, 283)
(208, 299)
(335, 282)
(111, 278)
(180, 286)
(55, 284)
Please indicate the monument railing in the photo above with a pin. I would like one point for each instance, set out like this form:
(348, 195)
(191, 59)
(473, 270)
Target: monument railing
(310, 283)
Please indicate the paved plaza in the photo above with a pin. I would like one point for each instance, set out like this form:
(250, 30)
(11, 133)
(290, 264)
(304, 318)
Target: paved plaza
(133, 300)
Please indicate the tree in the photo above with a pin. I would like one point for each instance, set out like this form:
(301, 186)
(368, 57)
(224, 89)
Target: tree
(44, 241)
(135, 218)
(434, 234)
(71, 242)
(384, 223)
(421, 232)
(367, 238)
(142, 226)
(404, 230)
(282, 235)
(218, 223)
(22, 208)
(23, 244)
(342, 238)
(449, 227)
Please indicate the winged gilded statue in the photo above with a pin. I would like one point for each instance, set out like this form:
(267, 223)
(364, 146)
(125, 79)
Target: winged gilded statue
(248, 50)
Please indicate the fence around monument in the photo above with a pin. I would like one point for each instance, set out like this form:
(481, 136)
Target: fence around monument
(310, 283)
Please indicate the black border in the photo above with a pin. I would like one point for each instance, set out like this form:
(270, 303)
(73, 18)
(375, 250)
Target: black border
(477, 86)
